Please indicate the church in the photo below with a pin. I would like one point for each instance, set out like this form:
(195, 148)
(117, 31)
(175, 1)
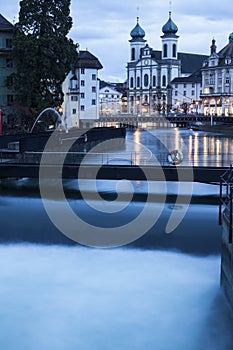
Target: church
(150, 72)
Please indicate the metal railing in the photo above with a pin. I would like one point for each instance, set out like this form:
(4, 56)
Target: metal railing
(226, 198)
(201, 159)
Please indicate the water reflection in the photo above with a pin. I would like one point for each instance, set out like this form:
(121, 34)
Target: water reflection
(199, 148)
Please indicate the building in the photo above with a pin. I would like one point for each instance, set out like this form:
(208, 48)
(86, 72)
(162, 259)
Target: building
(81, 92)
(217, 81)
(6, 67)
(186, 93)
(150, 72)
(110, 99)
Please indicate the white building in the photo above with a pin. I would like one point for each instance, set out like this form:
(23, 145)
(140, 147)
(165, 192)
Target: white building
(217, 81)
(110, 100)
(81, 92)
(186, 93)
(149, 72)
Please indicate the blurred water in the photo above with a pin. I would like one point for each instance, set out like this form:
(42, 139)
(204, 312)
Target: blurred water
(66, 298)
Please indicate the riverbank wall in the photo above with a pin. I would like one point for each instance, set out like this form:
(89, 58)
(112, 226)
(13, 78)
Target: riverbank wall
(227, 261)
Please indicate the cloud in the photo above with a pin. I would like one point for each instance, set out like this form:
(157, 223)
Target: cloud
(104, 27)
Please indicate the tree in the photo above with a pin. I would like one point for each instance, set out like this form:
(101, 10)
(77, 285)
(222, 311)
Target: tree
(42, 52)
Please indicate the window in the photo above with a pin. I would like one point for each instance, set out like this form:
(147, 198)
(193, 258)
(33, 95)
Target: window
(176, 93)
(154, 80)
(138, 82)
(174, 50)
(184, 85)
(74, 111)
(9, 63)
(193, 85)
(93, 102)
(133, 54)
(164, 80)
(227, 80)
(184, 93)
(146, 80)
(176, 86)
(192, 92)
(82, 71)
(93, 77)
(165, 50)
(74, 98)
(82, 82)
(82, 108)
(93, 89)
(82, 95)
(8, 43)
(131, 82)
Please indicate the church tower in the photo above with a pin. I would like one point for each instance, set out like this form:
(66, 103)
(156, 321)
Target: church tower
(137, 42)
(169, 40)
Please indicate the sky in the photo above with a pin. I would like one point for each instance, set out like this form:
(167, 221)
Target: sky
(103, 27)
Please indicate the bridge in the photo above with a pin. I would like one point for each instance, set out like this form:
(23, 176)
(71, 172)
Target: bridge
(114, 172)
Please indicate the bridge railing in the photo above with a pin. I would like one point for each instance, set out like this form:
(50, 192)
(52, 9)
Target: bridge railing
(226, 199)
(193, 159)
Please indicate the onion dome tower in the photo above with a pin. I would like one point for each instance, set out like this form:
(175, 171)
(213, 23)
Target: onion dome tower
(137, 41)
(169, 39)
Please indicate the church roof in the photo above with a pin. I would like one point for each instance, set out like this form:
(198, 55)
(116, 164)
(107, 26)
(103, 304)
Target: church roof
(88, 60)
(190, 62)
(137, 32)
(5, 25)
(170, 27)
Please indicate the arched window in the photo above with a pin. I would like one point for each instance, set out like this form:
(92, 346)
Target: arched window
(138, 82)
(164, 80)
(165, 50)
(131, 82)
(133, 54)
(174, 50)
(154, 80)
(146, 80)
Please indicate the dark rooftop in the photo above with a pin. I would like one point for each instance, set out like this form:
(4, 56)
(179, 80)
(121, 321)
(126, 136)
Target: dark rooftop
(88, 60)
(5, 25)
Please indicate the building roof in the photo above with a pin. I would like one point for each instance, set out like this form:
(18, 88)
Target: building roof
(191, 62)
(196, 77)
(5, 25)
(169, 27)
(88, 60)
(137, 33)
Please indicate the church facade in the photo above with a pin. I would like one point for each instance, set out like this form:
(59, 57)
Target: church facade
(150, 72)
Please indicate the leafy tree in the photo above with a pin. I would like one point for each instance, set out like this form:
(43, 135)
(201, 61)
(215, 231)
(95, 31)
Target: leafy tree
(42, 52)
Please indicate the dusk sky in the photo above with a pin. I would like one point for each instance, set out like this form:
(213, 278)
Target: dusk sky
(103, 27)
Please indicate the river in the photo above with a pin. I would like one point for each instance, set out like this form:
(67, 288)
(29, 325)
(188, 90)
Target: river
(160, 292)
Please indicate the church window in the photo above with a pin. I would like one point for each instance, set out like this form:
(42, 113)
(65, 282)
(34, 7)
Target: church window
(165, 50)
(146, 80)
(138, 82)
(174, 50)
(164, 80)
(154, 80)
(131, 82)
(133, 54)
